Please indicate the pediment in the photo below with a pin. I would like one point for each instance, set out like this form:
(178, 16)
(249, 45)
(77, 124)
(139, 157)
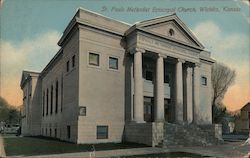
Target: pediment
(25, 76)
(170, 27)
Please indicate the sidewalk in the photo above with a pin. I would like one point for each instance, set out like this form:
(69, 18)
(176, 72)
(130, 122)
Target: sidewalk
(230, 150)
(2, 151)
(107, 153)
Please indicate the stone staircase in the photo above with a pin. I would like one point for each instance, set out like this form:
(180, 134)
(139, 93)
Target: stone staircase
(188, 135)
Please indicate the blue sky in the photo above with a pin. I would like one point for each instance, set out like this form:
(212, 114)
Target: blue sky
(30, 29)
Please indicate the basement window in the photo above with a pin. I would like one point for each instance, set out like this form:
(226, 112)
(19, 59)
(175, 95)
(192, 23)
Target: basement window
(102, 132)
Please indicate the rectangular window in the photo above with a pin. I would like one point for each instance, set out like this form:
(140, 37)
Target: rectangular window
(47, 101)
(55, 132)
(68, 132)
(94, 59)
(67, 66)
(56, 96)
(203, 81)
(51, 100)
(73, 61)
(113, 63)
(62, 93)
(50, 132)
(43, 102)
(82, 111)
(102, 132)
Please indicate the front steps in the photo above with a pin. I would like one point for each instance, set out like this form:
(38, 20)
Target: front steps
(188, 135)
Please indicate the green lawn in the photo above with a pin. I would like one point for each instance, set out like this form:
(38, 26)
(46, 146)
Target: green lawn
(40, 146)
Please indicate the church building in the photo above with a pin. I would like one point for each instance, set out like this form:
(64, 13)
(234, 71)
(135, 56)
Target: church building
(112, 81)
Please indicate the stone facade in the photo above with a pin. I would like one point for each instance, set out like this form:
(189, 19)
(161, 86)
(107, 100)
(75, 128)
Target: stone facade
(112, 81)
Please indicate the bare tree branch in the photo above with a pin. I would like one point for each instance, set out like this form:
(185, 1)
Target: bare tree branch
(222, 78)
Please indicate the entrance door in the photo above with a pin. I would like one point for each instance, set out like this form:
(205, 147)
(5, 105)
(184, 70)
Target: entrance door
(148, 109)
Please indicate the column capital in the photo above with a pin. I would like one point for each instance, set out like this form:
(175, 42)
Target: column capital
(138, 49)
(181, 60)
(197, 64)
(161, 55)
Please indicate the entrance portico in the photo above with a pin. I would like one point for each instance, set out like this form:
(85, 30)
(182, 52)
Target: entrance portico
(181, 89)
(168, 43)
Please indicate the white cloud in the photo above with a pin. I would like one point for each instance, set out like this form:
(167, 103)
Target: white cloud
(224, 47)
(231, 49)
(32, 54)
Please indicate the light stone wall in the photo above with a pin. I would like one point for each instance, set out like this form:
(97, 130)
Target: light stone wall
(164, 28)
(31, 123)
(218, 131)
(144, 133)
(35, 102)
(137, 132)
(66, 100)
(25, 113)
(101, 90)
(204, 115)
(104, 92)
(102, 21)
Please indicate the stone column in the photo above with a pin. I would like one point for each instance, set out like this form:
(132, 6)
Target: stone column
(179, 92)
(138, 87)
(196, 89)
(159, 99)
(132, 92)
(189, 93)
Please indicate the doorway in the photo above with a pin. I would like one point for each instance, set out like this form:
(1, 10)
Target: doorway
(148, 109)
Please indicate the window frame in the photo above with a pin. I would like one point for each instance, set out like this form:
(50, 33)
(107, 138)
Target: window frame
(205, 81)
(117, 64)
(51, 98)
(67, 66)
(106, 136)
(99, 59)
(68, 131)
(73, 61)
(82, 111)
(47, 102)
(57, 95)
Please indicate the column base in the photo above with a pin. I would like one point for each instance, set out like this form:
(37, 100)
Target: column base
(157, 121)
(133, 121)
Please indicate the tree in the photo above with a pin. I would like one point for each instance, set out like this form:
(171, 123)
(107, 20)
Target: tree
(8, 113)
(222, 78)
(3, 102)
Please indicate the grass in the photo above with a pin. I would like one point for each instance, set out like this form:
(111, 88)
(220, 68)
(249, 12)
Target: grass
(28, 146)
